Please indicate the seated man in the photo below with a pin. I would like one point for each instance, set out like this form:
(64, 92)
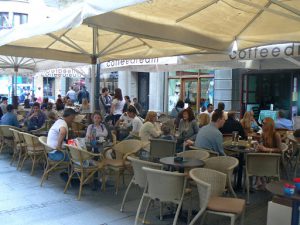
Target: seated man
(9, 118)
(231, 124)
(282, 122)
(36, 118)
(58, 133)
(209, 137)
(135, 123)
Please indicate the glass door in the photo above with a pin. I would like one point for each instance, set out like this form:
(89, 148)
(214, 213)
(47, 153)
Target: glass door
(190, 93)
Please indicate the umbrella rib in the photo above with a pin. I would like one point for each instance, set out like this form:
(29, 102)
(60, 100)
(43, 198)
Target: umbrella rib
(56, 40)
(108, 51)
(196, 11)
(82, 50)
(268, 9)
(284, 6)
(145, 43)
(64, 42)
(21, 60)
(137, 46)
(111, 43)
(253, 19)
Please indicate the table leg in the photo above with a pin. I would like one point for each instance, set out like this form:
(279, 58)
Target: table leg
(240, 171)
(295, 213)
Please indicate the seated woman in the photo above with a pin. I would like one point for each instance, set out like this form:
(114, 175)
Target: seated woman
(188, 128)
(271, 143)
(166, 133)
(36, 118)
(271, 140)
(59, 105)
(203, 119)
(249, 124)
(149, 129)
(85, 107)
(97, 130)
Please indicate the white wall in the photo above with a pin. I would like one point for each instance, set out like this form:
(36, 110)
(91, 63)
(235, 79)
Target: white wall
(156, 92)
(127, 81)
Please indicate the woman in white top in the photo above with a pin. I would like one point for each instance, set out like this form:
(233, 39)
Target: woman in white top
(149, 129)
(117, 105)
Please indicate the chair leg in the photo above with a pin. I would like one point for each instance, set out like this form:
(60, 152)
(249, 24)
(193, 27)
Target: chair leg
(242, 217)
(81, 184)
(33, 164)
(146, 210)
(161, 211)
(247, 185)
(177, 213)
(202, 218)
(117, 182)
(22, 164)
(125, 195)
(138, 211)
(45, 174)
(232, 219)
(194, 220)
(230, 187)
(69, 180)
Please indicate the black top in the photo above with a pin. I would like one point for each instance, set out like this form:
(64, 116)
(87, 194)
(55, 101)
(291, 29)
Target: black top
(233, 125)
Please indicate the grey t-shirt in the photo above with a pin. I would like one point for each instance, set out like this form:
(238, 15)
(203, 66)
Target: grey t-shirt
(209, 137)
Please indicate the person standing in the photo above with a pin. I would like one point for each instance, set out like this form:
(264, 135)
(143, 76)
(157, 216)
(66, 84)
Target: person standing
(3, 105)
(72, 94)
(105, 101)
(138, 107)
(83, 94)
(117, 105)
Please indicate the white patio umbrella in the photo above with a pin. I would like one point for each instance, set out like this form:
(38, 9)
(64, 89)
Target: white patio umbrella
(157, 28)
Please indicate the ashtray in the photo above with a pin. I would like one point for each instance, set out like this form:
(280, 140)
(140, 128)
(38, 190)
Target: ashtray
(178, 159)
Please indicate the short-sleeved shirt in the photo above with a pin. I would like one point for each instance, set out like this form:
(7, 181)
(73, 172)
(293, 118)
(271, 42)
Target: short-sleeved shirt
(10, 119)
(209, 137)
(53, 133)
(100, 130)
(136, 124)
(119, 105)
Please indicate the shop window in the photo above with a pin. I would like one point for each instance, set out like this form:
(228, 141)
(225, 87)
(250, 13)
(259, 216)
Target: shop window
(20, 18)
(174, 93)
(4, 21)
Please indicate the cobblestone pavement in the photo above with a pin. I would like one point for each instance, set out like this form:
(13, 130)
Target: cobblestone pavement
(23, 201)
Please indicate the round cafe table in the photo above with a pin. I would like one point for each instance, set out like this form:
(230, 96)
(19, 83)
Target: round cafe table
(187, 163)
(276, 188)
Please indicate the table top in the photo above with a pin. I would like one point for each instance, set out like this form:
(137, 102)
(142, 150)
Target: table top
(276, 188)
(239, 148)
(186, 163)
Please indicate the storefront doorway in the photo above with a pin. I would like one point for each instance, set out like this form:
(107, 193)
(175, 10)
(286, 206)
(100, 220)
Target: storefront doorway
(195, 88)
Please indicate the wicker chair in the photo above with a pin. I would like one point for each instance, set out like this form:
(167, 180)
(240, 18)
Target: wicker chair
(211, 185)
(51, 165)
(6, 136)
(139, 175)
(160, 148)
(170, 188)
(224, 164)
(284, 148)
(262, 164)
(195, 154)
(33, 150)
(19, 146)
(79, 159)
(78, 129)
(211, 153)
(120, 164)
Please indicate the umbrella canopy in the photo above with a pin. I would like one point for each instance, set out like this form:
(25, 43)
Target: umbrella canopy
(157, 28)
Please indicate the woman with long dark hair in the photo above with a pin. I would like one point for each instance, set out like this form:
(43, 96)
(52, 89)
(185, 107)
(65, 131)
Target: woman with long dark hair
(117, 105)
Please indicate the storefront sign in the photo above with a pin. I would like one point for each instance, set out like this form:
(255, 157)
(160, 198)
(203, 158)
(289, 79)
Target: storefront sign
(131, 62)
(267, 52)
(60, 72)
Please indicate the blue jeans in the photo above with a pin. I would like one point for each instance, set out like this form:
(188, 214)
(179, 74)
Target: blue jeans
(58, 156)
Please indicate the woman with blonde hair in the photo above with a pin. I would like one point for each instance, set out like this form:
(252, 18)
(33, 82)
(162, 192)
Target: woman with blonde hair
(149, 129)
(246, 122)
(85, 107)
(203, 119)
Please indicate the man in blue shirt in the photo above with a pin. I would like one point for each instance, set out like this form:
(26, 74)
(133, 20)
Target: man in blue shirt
(209, 136)
(282, 122)
(9, 118)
